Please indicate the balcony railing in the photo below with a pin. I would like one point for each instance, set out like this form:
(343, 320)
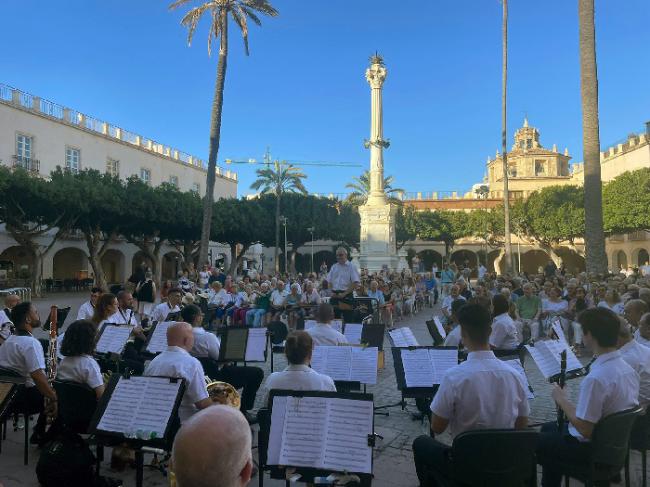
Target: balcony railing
(27, 163)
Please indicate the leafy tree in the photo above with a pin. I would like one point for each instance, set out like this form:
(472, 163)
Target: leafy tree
(489, 225)
(443, 226)
(626, 200)
(283, 178)
(219, 13)
(184, 231)
(347, 227)
(406, 225)
(360, 187)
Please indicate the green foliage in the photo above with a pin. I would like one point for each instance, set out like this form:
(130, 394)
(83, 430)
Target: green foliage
(284, 178)
(626, 202)
(406, 225)
(360, 187)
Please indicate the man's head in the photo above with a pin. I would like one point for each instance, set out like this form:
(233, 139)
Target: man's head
(213, 448)
(341, 255)
(174, 296)
(180, 335)
(279, 285)
(24, 316)
(192, 314)
(373, 286)
(600, 327)
(528, 289)
(634, 309)
(455, 307)
(125, 300)
(624, 333)
(298, 347)
(324, 313)
(11, 300)
(644, 294)
(454, 291)
(644, 326)
(475, 325)
(95, 293)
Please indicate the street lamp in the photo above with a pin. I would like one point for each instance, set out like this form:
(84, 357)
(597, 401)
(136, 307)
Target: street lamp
(283, 220)
(311, 230)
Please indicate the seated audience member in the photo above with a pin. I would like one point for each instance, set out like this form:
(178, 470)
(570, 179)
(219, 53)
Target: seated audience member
(633, 311)
(106, 307)
(610, 387)
(176, 361)
(6, 326)
(483, 392)
(278, 296)
(642, 335)
(323, 333)
(504, 334)
(453, 337)
(22, 353)
(162, 310)
(78, 364)
(87, 309)
(298, 376)
(256, 315)
(219, 429)
(454, 294)
(638, 357)
(528, 309)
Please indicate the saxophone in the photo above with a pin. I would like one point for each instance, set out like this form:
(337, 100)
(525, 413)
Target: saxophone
(52, 355)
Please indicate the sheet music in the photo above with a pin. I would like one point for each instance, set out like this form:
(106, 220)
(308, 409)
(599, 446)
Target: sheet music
(546, 354)
(349, 423)
(442, 360)
(353, 333)
(516, 364)
(303, 431)
(418, 369)
(140, 404)
(158, 341)
(236, 344)
(556, 347)
(309, 324)
(256, 345)
(346, 363)
(439, 327)
(364, 364)
(114, 338)
(337, 325)
(403, 337)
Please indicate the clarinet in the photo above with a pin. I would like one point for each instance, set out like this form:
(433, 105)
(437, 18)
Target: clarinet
(52, 352)
(561, 381)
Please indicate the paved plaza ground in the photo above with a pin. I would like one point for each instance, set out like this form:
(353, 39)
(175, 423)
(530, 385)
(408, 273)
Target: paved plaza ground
(393, 460)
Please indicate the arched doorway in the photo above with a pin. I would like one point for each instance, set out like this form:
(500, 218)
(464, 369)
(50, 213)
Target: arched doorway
(532, 260)
(70, 263)
(465, 258)
(140, 259)
(171, 265)
(16, 263)
(574, 263)
(113, 266)
(642, 257)
(620, 260)
(430, 257)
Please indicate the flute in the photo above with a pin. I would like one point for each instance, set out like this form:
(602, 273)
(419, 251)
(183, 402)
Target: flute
(561, 381)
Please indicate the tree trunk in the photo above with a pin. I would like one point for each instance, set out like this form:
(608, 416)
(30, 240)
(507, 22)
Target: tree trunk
(94, 257)
(504, 141)
(235, 262)
(596, 257)
(215, 135)
(188, 252)
(277, 231)
(498, 259)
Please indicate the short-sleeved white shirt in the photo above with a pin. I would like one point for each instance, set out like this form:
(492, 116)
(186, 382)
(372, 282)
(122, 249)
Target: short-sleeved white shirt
(640, 339)
(453, 337)
(22, 354)
(552, 307)
(206, 344)
(610, 387)
(86, 311)
(161, 311)
(298, 378)
(176, 362)
(504, 333)
(123, 317)
(483, 392)
(448, 300)
(82, 369)
(278, 297)
(324, 334)
(638, 357)
(342, 275)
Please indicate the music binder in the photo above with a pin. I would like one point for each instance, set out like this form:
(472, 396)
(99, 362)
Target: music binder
(319, 433)
(346, 363)
(546, 355)
(113, 338)
(368, 334)
(421, 369)
(436, 330)
(403, 337)
(157, 339)
(243, 344)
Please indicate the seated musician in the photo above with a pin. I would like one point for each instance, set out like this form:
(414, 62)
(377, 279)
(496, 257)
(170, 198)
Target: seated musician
(206, 344)
(162, 310)
(504, 334)
(323, 333)
(23, 354)
(638, 357)
(610, 387)
(453, 338)
(87, 309)
(298, 376)
(177, 362)
(78, 364)
(105, 308)
(343, 278)
(482, 392)
(124, 314)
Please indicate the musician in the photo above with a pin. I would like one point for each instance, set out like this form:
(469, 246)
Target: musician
(642, 335)
(454, 294)
(323, 333)
(482, 392)
(504, 334)
(124, 315)
(78, 364)
(610, 387)
(161, 311)
(453, 338)
(298, 376)
(207, 345)
(87, 310)
(176, 361)
(22, 353)
(633, 311)
(638, 357)
(343, 278)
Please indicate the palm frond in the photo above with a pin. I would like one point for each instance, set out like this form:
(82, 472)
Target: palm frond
(191, 20)
(177, 4)
(239, 16)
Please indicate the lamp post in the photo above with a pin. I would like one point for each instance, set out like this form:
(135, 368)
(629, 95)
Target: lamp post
(311, 230)
(283, 220)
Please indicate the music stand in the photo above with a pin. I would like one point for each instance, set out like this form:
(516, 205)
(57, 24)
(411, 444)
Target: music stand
(235, 343)
(61, 315)
(115, 347)
(155, 343)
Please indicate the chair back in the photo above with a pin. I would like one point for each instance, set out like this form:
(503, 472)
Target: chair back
(502, 457)
(9, 375)
(640, 435)
(76, 405)
(611, 437)
(264, 420)
(278, 331)
(210, 367)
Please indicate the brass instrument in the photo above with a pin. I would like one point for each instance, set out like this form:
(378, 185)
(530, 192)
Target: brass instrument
(222, 393)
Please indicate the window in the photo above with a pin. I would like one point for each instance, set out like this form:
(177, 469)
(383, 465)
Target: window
(113, 167)
(529, 143)
(540, 167)
(24, 145)
(173, 180)
(512, 170)
(196, 187)
(72, 159)
(145, 175)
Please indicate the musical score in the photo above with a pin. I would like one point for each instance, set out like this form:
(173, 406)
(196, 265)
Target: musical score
(346, 363)
(403, 337)
(425, 367)
(113, 338)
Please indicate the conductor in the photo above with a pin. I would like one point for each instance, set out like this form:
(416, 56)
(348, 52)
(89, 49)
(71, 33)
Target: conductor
(343, 279)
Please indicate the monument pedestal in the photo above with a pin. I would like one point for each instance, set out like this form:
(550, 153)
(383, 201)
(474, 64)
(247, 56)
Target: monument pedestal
(378, 248)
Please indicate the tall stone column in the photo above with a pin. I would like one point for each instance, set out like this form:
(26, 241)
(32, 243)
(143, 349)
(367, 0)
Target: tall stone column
(375, 75)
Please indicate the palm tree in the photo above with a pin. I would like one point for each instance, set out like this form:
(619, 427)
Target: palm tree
(504, 139)
(284, 178)
(219, 11)
(596, 258)
(360, 187)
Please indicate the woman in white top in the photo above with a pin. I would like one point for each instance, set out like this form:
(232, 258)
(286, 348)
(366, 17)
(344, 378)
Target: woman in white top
(504, 334)
(107, 306)
(554, 308)
(612, 301)
(323, 333)
(78, 364)
(298, 376)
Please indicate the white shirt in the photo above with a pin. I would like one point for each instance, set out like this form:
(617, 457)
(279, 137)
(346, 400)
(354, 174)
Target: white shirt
(342, 275)
(481, 271)
(617, 308)
(206, 344)
(610, 387)
(176, 362)
(298, 378)
(5, 325)
(504, 333)
(86, 311)
(640, 339)
(446, 302)
(22, 354)
(161, 311)
(313, 298)
(82, 369)
(324, 334)
(453, 337)
(203, 277)
(638, 357)
(220, 298)
(277, 297)
(483, 392)
(123, 317)
(552, 307)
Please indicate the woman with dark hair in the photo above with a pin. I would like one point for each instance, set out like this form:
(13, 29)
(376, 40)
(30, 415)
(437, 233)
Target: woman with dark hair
(504, 334)
(106, 307)
(78, 364)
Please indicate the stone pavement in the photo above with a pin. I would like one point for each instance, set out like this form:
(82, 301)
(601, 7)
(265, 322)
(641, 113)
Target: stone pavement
(393, 460)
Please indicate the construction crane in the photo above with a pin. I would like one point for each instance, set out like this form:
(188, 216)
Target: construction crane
(267, 161)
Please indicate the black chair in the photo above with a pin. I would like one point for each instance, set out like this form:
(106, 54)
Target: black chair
(8, 391)
(639, 441)
(76, 405)
(264, 421)
(609, 449)
(485, 458)
(8, 376)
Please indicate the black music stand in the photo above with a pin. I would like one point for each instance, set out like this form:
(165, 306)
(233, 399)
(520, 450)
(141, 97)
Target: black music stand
(137, 443)
(150, 334)
(235, 342)
(111, 358)
(438, 339)
(308, 474)
(61, 315)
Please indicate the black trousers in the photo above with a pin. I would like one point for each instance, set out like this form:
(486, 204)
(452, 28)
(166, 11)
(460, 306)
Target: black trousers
(246, 377)
(430, 455)
(554, 445)
(30, 401)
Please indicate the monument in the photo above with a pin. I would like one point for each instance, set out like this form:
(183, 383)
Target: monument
(378, 247)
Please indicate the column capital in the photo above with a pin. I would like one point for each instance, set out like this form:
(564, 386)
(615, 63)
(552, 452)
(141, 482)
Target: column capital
(376, 73)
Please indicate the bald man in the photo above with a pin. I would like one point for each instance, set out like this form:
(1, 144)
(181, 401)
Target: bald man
(176, 361)
(634, 310)
(213, 449)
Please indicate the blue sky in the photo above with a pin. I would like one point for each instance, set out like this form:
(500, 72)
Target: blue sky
(303, 93)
